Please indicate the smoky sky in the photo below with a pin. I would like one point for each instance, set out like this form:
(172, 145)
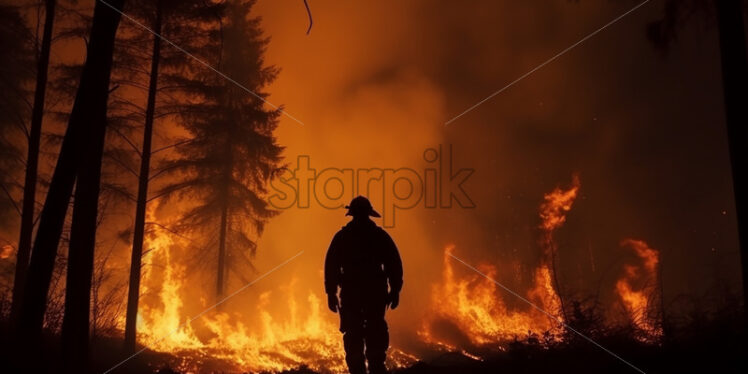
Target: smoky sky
(375, 82)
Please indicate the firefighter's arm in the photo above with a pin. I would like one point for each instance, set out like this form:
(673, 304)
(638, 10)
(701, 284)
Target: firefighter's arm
(333, 273)
(393, 266)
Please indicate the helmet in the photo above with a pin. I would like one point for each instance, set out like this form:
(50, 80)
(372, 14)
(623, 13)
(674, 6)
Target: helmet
(361, 206)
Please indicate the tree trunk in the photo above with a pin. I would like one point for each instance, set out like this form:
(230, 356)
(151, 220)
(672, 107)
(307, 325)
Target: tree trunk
(75, 323)
(32, 162)
(556, 283)
(222, 251)
(140, 210)
(223, 229)
(85, 128)
(735, 84)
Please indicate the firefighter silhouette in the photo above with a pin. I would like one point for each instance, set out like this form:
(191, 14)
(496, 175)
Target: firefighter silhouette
(364, 263)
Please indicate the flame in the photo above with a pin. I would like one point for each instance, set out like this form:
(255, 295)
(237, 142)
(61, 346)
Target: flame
(164, 319)
(553, 210)
(308, 336)
(546, 294)
(289, 327)
(557, 204)
(638, 287)
(475, 305)
(6, 251)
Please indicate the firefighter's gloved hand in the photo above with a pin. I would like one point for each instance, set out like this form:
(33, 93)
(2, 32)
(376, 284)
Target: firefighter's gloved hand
(393, 299)
(333, 303)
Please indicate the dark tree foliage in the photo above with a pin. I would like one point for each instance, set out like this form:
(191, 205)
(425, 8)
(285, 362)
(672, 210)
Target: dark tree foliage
(16, 76)
(79, 163)
(16, 71)
(32, 160)
(224, 169)
(124, 113)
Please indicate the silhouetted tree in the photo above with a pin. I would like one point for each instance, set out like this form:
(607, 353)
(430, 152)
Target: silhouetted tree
(75, 323)
(14, 105)
(735, 89)
(142, 197)
(32, 160)
(79, 163)
(233, 152)
(171, 19)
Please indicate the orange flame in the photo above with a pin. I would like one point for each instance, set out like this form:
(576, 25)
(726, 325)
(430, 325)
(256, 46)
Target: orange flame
(470, 303)
(475, 305)
(308, 336)
(637, 288)
(553, 210)
(6, 251)
(556, 204)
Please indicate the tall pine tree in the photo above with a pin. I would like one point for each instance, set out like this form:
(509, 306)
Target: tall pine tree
(223, 171)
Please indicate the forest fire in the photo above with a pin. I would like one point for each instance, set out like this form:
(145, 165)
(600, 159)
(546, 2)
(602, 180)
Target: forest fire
(164, 325)
(476, 306)
(545, 201)
(307, 336)
(469, 313)
(478, 309)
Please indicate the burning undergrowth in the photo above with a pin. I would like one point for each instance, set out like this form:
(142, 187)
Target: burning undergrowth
(639, 292)
(306, 334)
(473, 312)
(470, 313)
(478, 314)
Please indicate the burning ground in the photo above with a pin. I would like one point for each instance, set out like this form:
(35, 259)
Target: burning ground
(469, 313)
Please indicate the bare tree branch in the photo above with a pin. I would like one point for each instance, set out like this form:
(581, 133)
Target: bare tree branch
(11, 199)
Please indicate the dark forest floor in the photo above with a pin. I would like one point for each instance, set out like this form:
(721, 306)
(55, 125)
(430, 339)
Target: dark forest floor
(709, 351)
